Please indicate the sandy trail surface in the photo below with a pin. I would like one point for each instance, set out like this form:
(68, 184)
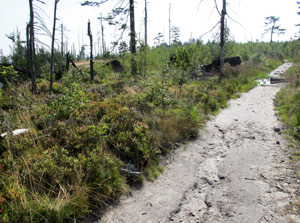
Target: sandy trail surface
(236, 171)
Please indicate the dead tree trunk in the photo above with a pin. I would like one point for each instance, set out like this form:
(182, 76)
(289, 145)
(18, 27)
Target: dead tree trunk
(102, 34)
(74, 65)
(146, 24)
(62, 39)
(91, 52)
(132, 37)
(68, 60)
(27, 41)
(32, 47)
(146, 39)
(170, 24)
(52, 48)
(222, 35)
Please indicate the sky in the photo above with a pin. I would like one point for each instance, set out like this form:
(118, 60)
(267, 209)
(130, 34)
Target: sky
(194, 18)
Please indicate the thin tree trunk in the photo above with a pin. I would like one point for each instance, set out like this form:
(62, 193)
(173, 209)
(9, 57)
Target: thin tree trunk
(222, 41)
(91, 52)
(28, 41)
(68, 61)
(146, 24)
(146, 38)
(132, 38)
(31, 47)
(170, 24)
(272, 31)
(52, 48)
(62, 39)
(102, 34)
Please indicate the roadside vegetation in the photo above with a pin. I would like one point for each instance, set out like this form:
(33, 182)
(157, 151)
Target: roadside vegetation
(287, 104)
(90, 141)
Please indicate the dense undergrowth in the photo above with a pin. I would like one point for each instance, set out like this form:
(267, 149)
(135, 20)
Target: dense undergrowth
(84, 140)
(287, 103)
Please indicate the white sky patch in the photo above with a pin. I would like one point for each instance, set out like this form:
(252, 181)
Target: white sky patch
(192, 18)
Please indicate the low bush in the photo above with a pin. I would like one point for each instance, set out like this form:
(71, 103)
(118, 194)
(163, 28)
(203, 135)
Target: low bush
(82, 138)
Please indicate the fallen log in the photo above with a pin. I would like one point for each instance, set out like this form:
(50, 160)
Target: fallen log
(277, 80)
(74, 65)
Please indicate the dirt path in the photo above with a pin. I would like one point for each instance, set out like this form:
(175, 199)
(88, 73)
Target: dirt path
(234, 172)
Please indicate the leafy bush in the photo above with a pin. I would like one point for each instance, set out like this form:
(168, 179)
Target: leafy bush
(82, 138)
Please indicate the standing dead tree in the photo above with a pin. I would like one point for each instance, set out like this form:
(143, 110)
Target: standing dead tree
(91, 52)
(31, 51)
(102, 35)
(35, 27)
(132, 38)
(52, 47)
(119, 17)
(297, 35)
(170, 24)
(222, 38)
(62, 39)
(146, 24)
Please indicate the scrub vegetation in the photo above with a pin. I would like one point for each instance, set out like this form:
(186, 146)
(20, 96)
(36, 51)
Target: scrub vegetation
(90, 141)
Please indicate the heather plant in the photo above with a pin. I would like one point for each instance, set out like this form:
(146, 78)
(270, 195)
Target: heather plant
(74, 159)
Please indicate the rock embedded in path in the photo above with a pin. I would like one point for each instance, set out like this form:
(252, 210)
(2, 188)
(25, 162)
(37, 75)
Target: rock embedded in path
(276, 129)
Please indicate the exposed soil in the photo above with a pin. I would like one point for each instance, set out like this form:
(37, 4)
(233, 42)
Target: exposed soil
(236, 171)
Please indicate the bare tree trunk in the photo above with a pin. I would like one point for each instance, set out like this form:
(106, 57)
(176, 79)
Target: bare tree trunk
(79, 44)
(91, 52)
(68, 60)
(272, 32)
(102, 33)
(52, 48)
(146, 24)
(32, 47)
(62, 39)
(170, 24)
(146, 39)
(222, 41)
(132, 38)
(28, 41)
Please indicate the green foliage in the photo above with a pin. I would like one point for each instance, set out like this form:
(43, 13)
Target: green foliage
(81, 138)
(8, 75)
(72, 101)
(288, 103)
(18, 56)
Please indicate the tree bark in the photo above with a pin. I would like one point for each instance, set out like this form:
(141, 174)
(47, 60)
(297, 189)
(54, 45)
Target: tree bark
(132, 38)
(146, 24)
(52, 48)
(102, 34)
(74, 65)
(91, 52)
(32, 47)
(272, 31)
(28, 41)
(132, 28)
(62, 39)
(68, 60)
(170, 24)
(222, 36)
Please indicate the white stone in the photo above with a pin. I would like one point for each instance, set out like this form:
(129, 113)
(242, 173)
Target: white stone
(15, 132)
